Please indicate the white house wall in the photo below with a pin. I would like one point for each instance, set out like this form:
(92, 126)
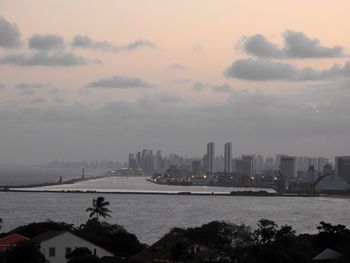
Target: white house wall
(65, 240)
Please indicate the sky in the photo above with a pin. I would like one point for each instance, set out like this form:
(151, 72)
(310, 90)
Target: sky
(85, 80)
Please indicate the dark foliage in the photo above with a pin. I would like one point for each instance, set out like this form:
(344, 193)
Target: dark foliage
(24, 252)
(35, 229)
(222, 235)
(99, 208)
(112, 237)
(82, 255)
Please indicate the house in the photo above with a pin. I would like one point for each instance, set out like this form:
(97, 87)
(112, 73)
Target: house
(55, 245)
(10, 241)
(174, 247)
(328, 254)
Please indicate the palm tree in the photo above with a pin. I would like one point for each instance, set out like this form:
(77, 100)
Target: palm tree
(99, 208)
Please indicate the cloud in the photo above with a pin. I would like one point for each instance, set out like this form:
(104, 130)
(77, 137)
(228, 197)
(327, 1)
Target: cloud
(257, 122)
(224, 88)
(119, 82)
(50, 59)
(26, 86)
(80, 41)
(46, 42)
(182, 81)
(153, 100)
(30, 88)
(197, 49)
(259, 46)
(37, 100)
(199, 86)
(58, 100)
(9, 34)
(176, 66)
(296, 45)
(2, 86)
(250, 69)
(136, 45)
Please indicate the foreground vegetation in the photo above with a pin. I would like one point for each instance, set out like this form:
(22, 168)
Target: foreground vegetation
(224, 242)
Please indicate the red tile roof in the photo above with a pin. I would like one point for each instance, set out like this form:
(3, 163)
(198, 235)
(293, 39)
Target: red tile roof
(11, 240)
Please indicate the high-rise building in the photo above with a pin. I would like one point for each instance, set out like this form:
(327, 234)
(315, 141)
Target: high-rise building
(288, 167)
(196, 168)
(158, 162)
(132, 162)
(244, 165)
(342, 167)
(211, 157)
(138, 160)
(228, 158)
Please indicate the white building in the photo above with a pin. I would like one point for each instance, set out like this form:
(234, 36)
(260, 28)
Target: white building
(55, 245)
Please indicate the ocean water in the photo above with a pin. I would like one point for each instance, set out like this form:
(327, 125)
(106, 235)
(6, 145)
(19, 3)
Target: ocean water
(140, 184)
(152, 216)
(22, 175)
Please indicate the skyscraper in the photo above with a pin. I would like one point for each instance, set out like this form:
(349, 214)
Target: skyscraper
(228, 158)
(288, 167)
(342, 167)
(211, 157)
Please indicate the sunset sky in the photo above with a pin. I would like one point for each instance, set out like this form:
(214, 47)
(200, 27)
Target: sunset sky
(99, 79)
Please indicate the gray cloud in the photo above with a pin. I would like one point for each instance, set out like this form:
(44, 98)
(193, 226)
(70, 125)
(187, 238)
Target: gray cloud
(199, 86)
(152, 101)
(9, 34)
(255, 122)
(30, 88)
(259, 46)
(26, 86)
(296, 45)
(250, 69)
(119, 82)
(58, 100)
(46, 42)
(182, 81)
(224, 88)
(2, 86)
(137, 44)
(80, 41)
(37, 100)
(176, 66)
(50, 59)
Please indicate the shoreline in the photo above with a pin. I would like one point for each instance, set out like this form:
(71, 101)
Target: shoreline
(238, 193)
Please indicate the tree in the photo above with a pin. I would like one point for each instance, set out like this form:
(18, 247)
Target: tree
(99, 208)
(112, 237)
(82, 255)
(266, 231)
(0, 222)
(24, 252)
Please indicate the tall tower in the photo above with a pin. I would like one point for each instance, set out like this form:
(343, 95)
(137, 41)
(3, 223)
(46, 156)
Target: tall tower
(228, 158)
(211, 157)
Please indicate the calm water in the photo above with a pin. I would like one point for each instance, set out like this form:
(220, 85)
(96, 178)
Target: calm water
(139, 184)
(151, 216)
(20, 175)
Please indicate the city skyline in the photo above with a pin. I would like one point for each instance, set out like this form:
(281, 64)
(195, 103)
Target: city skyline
(91, 82)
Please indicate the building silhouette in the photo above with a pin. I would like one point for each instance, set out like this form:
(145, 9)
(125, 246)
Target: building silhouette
(211, 157)
(228, 158)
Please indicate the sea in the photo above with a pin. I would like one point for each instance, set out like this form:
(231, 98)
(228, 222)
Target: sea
(150, 216)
